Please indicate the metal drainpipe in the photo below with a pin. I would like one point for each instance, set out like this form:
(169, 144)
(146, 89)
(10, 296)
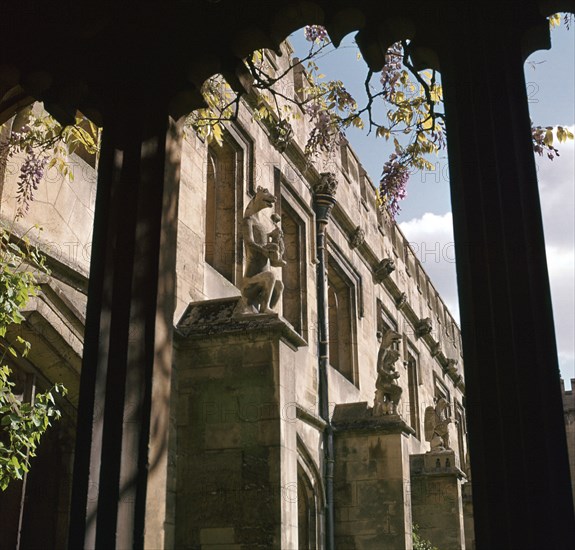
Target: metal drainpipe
(324, 200)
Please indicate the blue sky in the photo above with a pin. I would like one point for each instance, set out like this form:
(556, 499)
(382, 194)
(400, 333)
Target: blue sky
(425, 217)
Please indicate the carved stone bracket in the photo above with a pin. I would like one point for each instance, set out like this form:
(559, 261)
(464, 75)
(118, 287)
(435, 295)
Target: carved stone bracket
(451, 367)
(401, 300)
(327, 185)
(324, 196)
(452, 371)
(281, 135)
(384, 269)
(357, 238)
(436, 349)
(424, 327)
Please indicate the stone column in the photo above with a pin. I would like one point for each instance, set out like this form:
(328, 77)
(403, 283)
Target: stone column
(436, 502)
(236, 481)
(372, 482)
(118, 498)
(518, 453)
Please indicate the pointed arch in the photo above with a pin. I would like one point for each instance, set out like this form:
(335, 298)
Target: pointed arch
(311, 499)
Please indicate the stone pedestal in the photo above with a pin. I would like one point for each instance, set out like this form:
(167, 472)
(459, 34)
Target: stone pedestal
(436, 499)
(236, 465)
(372, 497)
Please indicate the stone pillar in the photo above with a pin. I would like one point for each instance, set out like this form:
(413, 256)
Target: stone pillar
(436, 502)
(518, 453)
(468, 526)
(569, 414)
(236, 481)
(372, 481)
(119, 487)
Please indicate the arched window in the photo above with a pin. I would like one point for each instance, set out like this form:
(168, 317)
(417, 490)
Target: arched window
(311, 501)
(293, 274)
(306, 513)
(341, 314)
(413, 383)
(221, 179)
(333, 327)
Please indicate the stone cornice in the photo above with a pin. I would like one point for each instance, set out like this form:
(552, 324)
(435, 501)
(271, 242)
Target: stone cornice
(208, 318)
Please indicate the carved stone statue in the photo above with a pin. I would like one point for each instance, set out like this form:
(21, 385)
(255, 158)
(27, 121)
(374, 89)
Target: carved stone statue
(387, 390)
(281, 135)
(357, 238)
(401, 300)
(264, 247)
(384, 269)
(437, 426)
(424, 327)
(277, 237)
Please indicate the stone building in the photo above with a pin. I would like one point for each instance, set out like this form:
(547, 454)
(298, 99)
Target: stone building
(341, 414)
(135, 69)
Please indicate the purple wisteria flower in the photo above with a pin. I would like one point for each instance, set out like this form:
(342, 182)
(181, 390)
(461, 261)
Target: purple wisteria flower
(31, 173)
(392, 185)
(315, 33)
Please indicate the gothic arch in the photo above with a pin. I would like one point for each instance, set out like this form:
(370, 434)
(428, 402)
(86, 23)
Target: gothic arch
(311, 499)
(479, 48)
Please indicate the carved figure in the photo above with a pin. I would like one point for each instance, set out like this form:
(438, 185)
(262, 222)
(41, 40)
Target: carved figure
(384, 269)
(401, 300)
(264, 248)
(424, 327)
(436, 349)
(327, 184)
(277, 237)
(387, 390)
(281, 135)
(437, 426)
(357, 238)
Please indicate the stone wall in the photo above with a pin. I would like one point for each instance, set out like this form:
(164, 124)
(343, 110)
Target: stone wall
(61, 216)
(385, 287)
(236, 463)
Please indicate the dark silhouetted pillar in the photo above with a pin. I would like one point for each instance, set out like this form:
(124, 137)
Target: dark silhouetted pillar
(119, 487)
(518, 452)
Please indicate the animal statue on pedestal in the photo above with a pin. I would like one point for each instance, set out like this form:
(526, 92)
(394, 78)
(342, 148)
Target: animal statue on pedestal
(264, 247)
(436, 424)
(387, 390)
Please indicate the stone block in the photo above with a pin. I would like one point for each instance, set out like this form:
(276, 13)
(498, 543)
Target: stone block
(436, 499)
(372, 492)
(236, 464)
(217, 535)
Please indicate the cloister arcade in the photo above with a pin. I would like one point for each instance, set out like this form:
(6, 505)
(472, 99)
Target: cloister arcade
(136, 68)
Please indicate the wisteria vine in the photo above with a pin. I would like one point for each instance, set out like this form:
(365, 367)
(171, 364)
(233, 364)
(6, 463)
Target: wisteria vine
(413, 98)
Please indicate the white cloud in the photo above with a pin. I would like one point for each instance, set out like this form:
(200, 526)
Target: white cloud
(557, 192)
(561, 264)
(431, 236)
